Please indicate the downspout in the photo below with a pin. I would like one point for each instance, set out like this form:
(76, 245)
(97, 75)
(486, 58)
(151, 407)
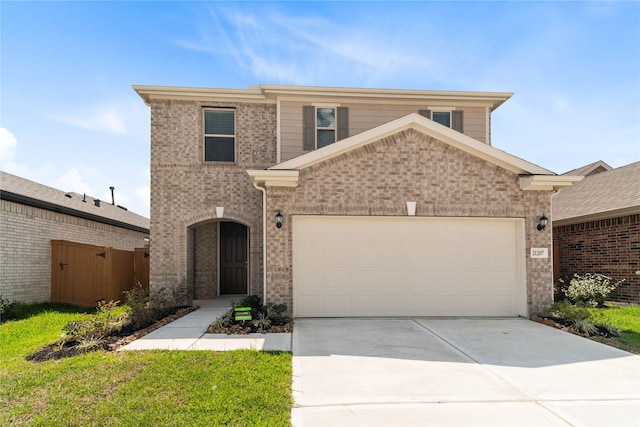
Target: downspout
(264, 241)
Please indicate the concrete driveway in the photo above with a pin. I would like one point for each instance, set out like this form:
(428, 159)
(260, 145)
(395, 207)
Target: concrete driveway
(458, 372)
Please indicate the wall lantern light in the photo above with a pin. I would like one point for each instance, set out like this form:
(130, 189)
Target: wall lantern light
(279, 220)
(543, 223)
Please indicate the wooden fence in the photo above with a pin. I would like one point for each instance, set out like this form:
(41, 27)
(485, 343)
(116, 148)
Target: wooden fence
(85, 274)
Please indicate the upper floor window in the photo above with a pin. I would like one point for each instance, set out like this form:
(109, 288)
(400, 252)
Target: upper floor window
(442, 117)
(446, 117)
(324, 125)
(219, 135)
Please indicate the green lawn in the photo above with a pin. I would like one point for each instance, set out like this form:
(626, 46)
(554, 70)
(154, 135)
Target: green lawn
(168, 388)
(624, 317)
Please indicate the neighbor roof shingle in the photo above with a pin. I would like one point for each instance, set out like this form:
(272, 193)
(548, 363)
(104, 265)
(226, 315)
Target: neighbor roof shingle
(603, 195)
(13, 186)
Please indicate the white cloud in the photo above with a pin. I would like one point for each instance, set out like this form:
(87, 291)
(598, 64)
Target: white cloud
(8, 144)
(306, 49)
(71, 180)
(102, 118)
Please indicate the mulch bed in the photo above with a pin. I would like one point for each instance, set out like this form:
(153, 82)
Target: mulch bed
(248, 328)
(566, 325)
(69, 347)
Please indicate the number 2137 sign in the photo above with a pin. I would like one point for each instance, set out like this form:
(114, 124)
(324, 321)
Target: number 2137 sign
(539, 252)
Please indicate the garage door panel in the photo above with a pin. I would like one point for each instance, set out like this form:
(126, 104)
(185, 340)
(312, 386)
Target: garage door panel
(395, 266)
(337, 282)
(312, 305)
(366, 282)
(391, 254)
(338, 305)
(312, 282)
(310, 254)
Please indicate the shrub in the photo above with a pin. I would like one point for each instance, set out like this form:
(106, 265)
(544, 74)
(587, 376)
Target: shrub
(609, 329)
(590, 288)
(142, 312)
(7, 309)
(566, 310)
(262, 321)
(585, 326)
(252, 301)
(90, 343)
(264, 318)
(103, 323)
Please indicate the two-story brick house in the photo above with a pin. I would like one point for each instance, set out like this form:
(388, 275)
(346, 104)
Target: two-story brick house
(370, 201)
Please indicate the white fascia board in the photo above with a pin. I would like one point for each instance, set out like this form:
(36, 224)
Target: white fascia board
(274, 178)
(548, 182)
(147, 93)
(495, 99)
(426, 126)
(268, 94)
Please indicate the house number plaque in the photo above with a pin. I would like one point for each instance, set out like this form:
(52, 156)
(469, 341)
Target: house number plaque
(539, 252)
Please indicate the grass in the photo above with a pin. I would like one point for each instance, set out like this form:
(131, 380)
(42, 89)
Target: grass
(624, 317)
(169, 388)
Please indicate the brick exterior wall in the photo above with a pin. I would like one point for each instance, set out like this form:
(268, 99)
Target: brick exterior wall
(373, 180)
(185, 190)
(608, 246)
(25, 246)
(205, 266)
(379, 178)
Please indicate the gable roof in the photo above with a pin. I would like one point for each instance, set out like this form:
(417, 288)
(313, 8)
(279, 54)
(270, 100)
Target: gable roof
(603, 195)
(590, 169)
(533, 177)
(23, 191)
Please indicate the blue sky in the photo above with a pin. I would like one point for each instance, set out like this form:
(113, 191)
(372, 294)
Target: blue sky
(69, 118)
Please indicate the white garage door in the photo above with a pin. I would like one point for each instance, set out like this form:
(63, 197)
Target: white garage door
(407, 266)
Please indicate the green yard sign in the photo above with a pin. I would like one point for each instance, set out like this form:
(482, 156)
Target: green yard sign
(242, 313)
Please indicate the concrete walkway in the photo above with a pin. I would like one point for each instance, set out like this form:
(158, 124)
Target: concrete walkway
(189, 333)
(458, 372)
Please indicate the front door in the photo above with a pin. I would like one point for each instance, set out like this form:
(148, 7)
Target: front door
(233, 258)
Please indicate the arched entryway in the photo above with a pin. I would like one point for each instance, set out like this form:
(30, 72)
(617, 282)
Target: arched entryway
(218, 259)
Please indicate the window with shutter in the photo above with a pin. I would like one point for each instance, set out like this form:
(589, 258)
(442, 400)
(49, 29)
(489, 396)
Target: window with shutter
(219, 135)
(453, 119)
(323, 126)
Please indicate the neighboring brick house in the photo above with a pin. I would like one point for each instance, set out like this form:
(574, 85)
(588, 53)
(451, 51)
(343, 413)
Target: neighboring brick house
(32, 215)
(370, 201)
(596, 228)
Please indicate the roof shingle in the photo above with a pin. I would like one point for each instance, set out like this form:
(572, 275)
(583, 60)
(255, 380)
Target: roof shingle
(17, 187)
(603, 195)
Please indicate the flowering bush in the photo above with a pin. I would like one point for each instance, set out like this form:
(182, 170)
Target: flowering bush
(590, 288)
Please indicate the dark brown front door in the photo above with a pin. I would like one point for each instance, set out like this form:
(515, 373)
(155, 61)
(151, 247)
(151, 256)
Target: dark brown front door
(233, 258)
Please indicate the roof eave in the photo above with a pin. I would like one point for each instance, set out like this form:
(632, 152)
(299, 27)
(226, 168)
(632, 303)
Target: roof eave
(495, 99)
(147, 93)
(615, 213)
(274, 178)
(270, 93)
(547, 182)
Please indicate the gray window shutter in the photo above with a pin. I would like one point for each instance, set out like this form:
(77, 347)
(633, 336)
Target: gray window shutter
(457, 119)
(343, 123)
(425, 113)
(308, 127)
